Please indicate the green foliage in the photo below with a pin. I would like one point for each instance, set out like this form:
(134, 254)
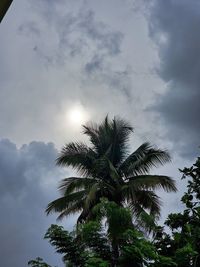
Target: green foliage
(163, 261)
(184, 242)
(38, 262)
(136, 250)
(87, 247)
(118, 219)
(96, 262)
(146, 222)
(65, 243)
(94, 238)
(111, 240)
(185, 255)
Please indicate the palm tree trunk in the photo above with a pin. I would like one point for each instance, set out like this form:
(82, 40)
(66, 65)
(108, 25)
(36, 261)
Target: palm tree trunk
(115, 252)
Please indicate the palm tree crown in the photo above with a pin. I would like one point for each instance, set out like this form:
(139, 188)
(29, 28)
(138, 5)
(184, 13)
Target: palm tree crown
(107, 169)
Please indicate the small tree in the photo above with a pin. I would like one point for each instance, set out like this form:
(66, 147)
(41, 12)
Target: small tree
(184, 242)
(68, 244)
(111, 240)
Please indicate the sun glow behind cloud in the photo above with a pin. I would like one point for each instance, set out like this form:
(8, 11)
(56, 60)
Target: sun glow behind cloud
(77, 115)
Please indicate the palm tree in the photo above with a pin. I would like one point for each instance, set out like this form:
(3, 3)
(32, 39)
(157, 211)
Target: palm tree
(107, 170)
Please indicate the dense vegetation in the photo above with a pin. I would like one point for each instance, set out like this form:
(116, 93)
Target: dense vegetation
(183, 242)
(118, 206)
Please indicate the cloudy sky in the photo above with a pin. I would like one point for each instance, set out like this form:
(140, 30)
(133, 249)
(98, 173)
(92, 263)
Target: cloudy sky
(65, 62)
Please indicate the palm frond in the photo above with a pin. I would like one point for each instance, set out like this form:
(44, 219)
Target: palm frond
(149, 201)
(84, 216)
(153, 182)
(143, 159)
(65, 202)
(78, 156)
(73, 209)
(92, 196)
(91, 130)
(105, 136)
(121, 131)
(110, 137)
(114, 174)
(145, 222)
(71, 184)
(99, 135)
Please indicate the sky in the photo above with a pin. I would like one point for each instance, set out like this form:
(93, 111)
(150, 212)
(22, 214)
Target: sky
(66, 62)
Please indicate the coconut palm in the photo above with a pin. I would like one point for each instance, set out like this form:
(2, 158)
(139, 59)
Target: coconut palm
(107, 170)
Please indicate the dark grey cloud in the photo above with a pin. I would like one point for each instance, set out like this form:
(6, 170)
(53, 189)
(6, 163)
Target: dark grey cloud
(174, 26)
(28, 181)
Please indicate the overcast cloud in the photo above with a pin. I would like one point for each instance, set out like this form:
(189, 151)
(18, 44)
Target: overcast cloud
(28, 178)
(136, 59)
(68, 52)
(174, 26)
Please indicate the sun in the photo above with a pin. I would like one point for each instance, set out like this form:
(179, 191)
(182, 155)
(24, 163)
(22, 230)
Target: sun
(77, 115)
